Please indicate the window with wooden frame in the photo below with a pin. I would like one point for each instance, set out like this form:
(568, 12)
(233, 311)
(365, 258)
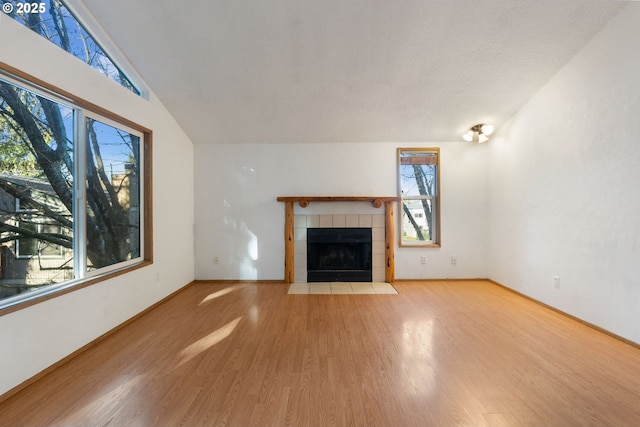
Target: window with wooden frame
(419, 188)
(54, 21)
(75, 192)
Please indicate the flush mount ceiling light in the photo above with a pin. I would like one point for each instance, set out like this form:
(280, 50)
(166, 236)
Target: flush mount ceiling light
(478, 133)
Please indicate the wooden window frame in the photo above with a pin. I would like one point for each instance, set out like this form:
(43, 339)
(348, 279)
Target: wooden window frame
(436, 217)
(146, 215)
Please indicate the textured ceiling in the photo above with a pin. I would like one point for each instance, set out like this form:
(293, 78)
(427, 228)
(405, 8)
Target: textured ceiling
(347, 70)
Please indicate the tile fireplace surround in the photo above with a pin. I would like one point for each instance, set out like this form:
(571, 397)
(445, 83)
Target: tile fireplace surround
(302, 222)
(381, 224)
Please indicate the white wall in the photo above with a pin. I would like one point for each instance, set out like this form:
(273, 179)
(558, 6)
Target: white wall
(239, 221)
(564, 186)
(36, 337)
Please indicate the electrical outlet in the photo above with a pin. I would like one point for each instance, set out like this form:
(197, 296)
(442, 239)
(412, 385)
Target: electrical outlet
(454, 260)
(216, 260)
(423, 259)
(556, 281)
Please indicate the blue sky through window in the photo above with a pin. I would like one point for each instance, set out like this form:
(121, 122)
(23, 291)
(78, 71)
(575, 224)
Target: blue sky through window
(424, 164)
(52, 20)
(118, 148)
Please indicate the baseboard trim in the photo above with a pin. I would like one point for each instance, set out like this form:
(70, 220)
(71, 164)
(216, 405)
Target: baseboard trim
(221, 281)
(87, 346)
(570, 316)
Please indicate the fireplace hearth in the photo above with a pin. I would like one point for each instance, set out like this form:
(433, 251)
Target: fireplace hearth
(339, 255)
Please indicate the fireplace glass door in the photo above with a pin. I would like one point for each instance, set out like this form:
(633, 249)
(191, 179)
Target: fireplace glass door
(339, 255)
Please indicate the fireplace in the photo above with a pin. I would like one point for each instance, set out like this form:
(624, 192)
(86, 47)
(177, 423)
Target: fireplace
(296, 225)
(339, 255)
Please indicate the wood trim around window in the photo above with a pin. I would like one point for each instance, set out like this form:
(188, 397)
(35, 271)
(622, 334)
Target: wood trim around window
(147, 185)
(438, 200)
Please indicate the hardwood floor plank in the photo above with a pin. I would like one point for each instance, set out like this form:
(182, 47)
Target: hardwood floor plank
(437, 354)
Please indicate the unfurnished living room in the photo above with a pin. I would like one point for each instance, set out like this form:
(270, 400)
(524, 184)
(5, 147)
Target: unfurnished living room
(320, 213)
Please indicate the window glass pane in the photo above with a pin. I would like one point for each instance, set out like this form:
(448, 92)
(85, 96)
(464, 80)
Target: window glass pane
(113, 195)
(36, 191)
(417, 179)
(52, 20)
(46, 248)
(417, 219)
(43, 247)
(26, 246)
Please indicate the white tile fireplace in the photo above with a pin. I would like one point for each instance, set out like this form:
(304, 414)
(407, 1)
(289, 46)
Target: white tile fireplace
(343, 212)
(302, 222)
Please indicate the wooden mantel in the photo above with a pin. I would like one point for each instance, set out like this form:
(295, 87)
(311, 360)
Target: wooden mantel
(303, 201)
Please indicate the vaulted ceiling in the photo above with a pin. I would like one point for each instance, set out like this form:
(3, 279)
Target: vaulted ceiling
(275, 71)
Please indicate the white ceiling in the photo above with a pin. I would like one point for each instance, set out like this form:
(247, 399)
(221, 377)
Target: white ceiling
(346, 70)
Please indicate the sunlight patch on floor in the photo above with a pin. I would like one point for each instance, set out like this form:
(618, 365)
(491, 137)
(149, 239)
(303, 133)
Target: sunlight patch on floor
(221, 292)
(120, 389)
(205, 343)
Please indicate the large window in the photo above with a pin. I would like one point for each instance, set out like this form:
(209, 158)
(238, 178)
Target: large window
(74, 188)
(53, 20)
(419, 187)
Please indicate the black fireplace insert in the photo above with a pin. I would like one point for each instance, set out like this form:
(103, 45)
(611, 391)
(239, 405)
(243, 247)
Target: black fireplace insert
(339, 255)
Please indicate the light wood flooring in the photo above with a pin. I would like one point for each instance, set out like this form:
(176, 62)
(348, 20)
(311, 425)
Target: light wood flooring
(436, 354)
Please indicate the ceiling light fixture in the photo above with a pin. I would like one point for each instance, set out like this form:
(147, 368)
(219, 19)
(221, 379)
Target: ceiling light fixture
(478, 133)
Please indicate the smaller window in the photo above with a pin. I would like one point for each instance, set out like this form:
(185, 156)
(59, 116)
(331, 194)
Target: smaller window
(27, 247)
(419, 188)
(55, 22)
(24, 207)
